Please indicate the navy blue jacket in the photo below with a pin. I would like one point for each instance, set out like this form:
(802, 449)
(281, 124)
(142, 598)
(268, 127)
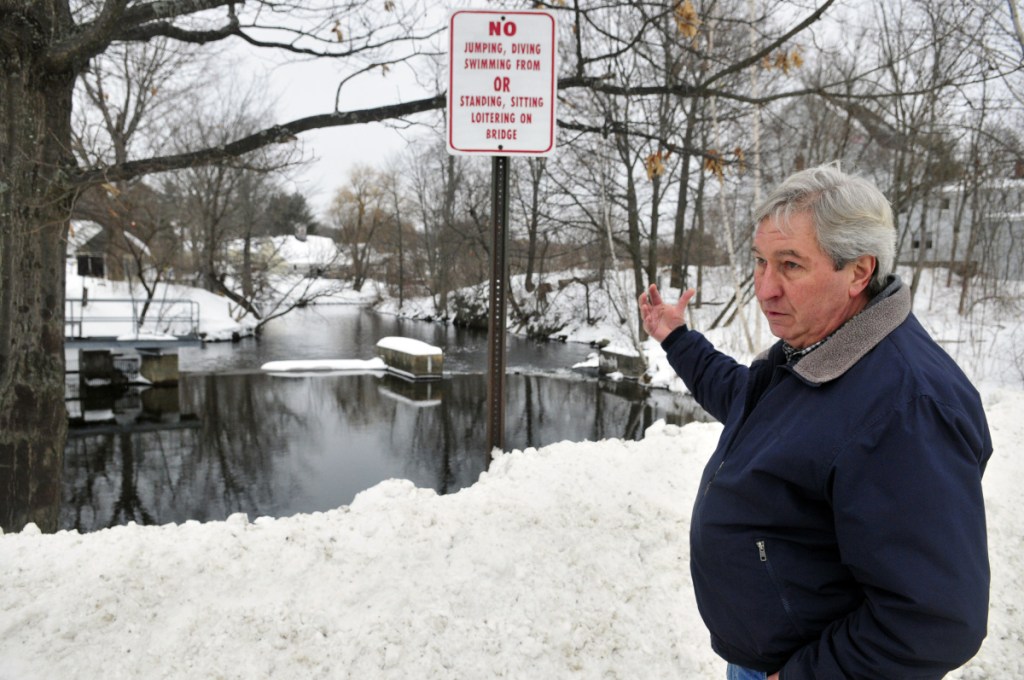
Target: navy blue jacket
(839, 530)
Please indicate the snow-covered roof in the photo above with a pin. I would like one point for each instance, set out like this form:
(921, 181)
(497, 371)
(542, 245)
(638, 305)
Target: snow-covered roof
(84, 231)
(80, 233)
(314, 250)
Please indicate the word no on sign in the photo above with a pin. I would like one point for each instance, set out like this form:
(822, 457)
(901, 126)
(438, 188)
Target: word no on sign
(501, 83)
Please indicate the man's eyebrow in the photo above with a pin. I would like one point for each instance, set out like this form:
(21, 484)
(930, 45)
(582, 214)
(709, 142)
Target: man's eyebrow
(788, 252)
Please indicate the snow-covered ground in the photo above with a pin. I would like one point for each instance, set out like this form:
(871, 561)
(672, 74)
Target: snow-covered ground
(568, 561)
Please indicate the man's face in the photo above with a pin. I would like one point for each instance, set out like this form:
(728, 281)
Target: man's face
(800, 292)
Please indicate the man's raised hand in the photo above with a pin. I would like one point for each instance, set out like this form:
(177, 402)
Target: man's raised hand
(659, 318)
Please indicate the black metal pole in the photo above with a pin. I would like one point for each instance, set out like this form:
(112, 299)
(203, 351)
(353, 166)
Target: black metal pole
(496, 325)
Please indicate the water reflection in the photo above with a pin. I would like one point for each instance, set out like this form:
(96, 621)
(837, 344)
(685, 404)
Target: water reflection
(278, 445)
(351, 332)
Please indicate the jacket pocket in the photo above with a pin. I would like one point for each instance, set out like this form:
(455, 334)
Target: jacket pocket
(777, 583)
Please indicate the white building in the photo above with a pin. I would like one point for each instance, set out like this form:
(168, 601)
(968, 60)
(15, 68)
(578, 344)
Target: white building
(979, 231)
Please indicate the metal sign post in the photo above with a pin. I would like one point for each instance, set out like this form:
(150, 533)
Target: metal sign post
(501, 102)
(496, 354)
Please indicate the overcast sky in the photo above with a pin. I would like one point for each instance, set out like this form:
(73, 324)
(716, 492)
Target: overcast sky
(306, 88)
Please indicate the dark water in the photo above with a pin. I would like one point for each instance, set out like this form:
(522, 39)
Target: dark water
(349, 332)
(230, 438)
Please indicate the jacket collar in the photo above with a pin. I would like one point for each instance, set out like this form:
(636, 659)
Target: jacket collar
(858, 336)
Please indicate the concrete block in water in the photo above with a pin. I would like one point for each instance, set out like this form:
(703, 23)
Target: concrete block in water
(411, 358)
(95, 364)
(620, 360)
(159, 369)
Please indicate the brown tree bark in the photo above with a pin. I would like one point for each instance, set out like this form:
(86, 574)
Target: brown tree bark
(35, 201)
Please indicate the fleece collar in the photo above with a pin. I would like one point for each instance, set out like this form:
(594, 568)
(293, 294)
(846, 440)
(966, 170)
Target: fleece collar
(858, 336)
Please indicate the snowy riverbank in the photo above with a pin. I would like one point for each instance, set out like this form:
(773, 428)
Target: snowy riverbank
(568, 561)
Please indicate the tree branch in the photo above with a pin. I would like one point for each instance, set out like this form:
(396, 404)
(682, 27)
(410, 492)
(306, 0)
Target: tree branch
(771, 47)
(604, 86)
(165, 29)
(159, 10)
(288, 131)
(1017, 27)
(274, 135)
(618, 128)
(115, 19)
(366, 45)
(90, 40)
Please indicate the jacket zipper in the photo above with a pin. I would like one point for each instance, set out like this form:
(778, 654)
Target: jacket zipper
(762, 554)
(712, 480)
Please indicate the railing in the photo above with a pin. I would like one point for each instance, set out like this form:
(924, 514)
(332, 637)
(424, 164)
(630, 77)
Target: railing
(114, 317)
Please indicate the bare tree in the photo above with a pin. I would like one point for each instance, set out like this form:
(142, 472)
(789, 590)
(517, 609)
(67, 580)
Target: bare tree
(400, 237)
(528, 191)
(359, 213)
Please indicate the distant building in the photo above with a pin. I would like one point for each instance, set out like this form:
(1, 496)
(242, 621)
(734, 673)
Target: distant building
(312, 256)
(98, 254)
(978, 232)
(87, 244)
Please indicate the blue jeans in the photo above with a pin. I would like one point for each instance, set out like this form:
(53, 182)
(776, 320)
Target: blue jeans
(734, 672)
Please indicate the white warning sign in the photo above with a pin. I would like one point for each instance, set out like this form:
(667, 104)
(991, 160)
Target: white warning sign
(501, 83)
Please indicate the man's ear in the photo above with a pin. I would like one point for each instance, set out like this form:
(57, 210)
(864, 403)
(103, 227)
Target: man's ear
(862, 269)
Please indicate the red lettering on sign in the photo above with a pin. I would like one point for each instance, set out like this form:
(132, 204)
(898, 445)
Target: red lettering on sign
(502, 134)
(498, 28)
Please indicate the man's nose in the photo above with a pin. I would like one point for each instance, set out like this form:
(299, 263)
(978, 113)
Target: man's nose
(766, 284)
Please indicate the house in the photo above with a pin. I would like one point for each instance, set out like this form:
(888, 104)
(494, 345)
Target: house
(99, 254)
(313, 256)
(87, 246)
(972, 229)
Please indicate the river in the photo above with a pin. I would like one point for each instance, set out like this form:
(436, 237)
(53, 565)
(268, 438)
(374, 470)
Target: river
(232, 438)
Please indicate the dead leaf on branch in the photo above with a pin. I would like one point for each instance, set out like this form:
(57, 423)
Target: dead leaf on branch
(715, 164)
(783, 60)
(655, 164)
(687, 19)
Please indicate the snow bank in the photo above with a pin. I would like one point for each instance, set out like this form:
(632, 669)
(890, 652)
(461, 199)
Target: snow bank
(567, 561)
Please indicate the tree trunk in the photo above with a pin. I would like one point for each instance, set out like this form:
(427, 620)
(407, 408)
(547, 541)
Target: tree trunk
(680, 252)
(536, 167)
(652, 241)
(35, 140)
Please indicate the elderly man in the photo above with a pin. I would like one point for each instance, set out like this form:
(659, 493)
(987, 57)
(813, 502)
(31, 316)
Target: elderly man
(839, 530)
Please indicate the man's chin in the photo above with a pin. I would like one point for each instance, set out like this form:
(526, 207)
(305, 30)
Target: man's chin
(777, 328)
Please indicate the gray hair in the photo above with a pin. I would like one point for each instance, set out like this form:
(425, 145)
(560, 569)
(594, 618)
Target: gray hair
(850, 214)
